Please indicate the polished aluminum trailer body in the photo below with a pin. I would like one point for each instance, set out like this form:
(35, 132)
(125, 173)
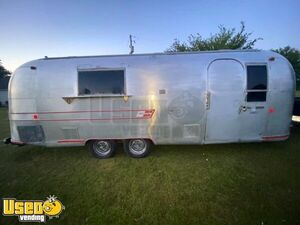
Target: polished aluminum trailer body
(169, 98)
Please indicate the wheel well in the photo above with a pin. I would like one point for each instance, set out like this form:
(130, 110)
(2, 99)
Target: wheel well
(88, 141)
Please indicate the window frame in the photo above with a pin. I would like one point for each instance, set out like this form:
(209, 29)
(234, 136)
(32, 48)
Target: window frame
(257, 90)
(101, 69)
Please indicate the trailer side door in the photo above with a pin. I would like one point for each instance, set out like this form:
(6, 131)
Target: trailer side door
(253, 115)
(225, 95)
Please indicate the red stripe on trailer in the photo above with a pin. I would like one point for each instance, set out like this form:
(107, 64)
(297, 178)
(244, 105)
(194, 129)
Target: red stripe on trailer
(17, 142)
(86, 111)
(269, 138)
(141, 114)
(71, 141)
(103, 119)
(91, 139)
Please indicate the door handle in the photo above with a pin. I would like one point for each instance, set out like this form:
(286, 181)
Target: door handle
(207, 100)
(243, 108)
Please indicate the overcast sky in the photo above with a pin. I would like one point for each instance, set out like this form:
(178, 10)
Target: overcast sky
(33, 29)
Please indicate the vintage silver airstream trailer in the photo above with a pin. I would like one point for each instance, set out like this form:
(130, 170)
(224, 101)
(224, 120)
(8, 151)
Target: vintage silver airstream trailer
(144, 99)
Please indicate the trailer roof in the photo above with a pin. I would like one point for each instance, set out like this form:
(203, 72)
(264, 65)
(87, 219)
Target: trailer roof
(157, 53)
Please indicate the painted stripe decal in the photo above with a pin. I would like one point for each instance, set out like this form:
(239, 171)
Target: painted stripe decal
(137, 115)
(17, 142)
(71, 141)
(276, 137)
(104, 119)
(90, 139)
(84, 111)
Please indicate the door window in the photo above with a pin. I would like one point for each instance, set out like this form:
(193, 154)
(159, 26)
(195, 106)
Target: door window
(257, 83)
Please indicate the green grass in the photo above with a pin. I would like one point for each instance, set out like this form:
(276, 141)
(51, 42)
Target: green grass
(212, 184)
(297, 93)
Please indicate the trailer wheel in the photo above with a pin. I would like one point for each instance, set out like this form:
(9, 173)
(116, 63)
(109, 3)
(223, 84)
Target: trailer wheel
(102, 149)
(137, 148)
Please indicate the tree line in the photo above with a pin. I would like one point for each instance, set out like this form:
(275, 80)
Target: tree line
(4, 77)
(3, 72)
(230, 38)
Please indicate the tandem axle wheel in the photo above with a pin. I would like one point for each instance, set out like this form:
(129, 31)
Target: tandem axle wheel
(135, 148)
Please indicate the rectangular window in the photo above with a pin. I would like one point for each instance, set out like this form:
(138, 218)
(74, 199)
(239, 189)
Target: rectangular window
(257, 83)
(98, 82)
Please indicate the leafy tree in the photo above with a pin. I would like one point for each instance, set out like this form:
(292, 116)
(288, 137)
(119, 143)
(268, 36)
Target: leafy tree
(293, 55)
(3, 72)
(226, 38)
(4, 78)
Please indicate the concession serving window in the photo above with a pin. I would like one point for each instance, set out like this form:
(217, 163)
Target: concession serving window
(101, 82)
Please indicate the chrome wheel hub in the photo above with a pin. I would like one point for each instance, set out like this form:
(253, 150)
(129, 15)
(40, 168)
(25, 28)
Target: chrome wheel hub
(137, 146)
(102, 147)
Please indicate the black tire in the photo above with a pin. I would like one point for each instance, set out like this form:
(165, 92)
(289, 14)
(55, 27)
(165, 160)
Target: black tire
(137, 148)
(102, 149)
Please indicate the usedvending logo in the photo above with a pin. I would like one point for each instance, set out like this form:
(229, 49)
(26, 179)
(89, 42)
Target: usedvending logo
(32, 210)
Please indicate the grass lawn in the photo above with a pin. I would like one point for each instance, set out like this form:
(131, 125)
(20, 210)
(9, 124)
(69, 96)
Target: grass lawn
(297, 93)
(242, 184)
